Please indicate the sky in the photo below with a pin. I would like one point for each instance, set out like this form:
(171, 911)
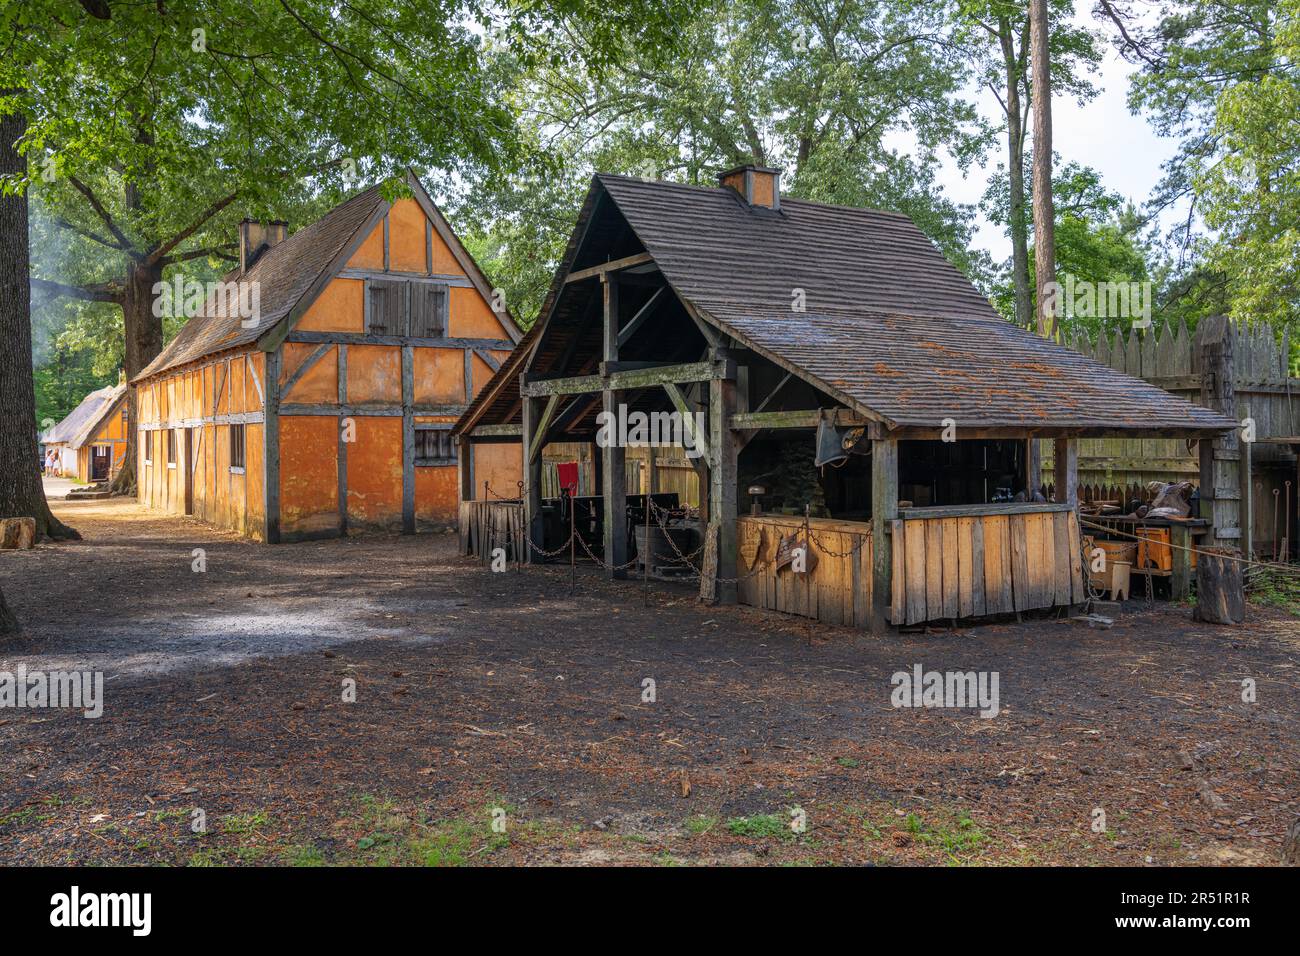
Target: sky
(1102, 134)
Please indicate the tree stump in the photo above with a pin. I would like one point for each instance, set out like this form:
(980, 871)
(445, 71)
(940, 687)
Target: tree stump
(19, 533)
(1220, 588)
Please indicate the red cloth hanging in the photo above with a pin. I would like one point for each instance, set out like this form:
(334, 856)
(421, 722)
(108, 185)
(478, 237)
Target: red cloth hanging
(567, 472)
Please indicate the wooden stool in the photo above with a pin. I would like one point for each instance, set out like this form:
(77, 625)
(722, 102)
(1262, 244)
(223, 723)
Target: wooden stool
(1120, 578)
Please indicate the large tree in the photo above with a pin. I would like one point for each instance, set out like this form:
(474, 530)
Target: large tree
(154, 127)
(853, 99)
(1223, 77)
(997, 33)
(21, 494)
(1044, 214)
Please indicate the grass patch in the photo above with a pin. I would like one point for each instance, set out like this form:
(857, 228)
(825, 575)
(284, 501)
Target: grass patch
(958, 838)
(244, 823)
(1276, 588)
(700, 823)
(846, 762)
(761, 826)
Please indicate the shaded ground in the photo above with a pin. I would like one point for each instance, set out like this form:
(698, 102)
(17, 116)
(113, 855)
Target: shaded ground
(481, 694)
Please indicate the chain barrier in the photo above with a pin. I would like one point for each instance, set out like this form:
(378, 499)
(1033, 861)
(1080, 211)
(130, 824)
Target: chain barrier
(831, 552)
(686, 561)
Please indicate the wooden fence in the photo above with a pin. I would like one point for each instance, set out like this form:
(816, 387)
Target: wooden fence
(949, 564)
(1168, 357)
(485, 525)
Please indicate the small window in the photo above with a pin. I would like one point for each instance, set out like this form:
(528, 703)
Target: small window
(428, 310)
(171, 448)
(434, 446)
(237, 447)
(146, 442)
(385, 306)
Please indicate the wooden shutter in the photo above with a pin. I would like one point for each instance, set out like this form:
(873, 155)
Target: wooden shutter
(428, 310)
(385, 307)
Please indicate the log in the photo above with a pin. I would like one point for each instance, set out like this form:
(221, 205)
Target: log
(1220, 589)
(17, 533)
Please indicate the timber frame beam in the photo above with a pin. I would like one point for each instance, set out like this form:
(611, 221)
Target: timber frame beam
(629, 379)
(607, 268)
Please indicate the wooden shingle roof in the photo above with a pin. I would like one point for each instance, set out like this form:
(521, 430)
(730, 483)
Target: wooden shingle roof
(284, 273)
(84, 420)
(890, 326)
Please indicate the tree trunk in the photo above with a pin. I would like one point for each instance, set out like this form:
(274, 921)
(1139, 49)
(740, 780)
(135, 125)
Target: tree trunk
(8, 623)
(1016, 176)
(21, 492)
(144, 340)
(1044, 208)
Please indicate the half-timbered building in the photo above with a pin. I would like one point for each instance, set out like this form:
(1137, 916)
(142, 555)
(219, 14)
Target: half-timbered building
(330, 410)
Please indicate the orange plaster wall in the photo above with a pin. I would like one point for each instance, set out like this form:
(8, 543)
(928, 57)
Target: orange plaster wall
(320, 383)
(375, 375)
(370, 254)
(439, 376)
(309, 485)
(435, 493)
(340, 307)
(500, 464)
(406, 227)
(481, 371)
(375, 473)
(471, 318)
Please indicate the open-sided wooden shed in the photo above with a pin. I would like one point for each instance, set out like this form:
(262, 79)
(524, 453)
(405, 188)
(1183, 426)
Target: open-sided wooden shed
(332, 410)
(786, 322)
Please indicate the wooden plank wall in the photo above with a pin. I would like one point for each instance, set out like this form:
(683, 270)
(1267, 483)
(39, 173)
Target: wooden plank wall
(486, 525)
(945, 568)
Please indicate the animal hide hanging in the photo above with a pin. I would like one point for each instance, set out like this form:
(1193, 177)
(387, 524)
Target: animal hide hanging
(786, 549)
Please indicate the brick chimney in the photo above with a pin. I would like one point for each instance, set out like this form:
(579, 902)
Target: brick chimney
(757, 185)
(256, 237)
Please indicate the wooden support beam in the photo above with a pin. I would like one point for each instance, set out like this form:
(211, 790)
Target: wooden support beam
(613, 471)
(543, 426)
(608, 268)
(497, 431)
(641, 315)
(690, 432)
(343, 444)
(629, 380)
(803, 418)
(534, 527)
(884, 509)
(271, 427)
(722, 484)
(408, 440)
(1180, 574)
(1220, 458)
(1065, 453)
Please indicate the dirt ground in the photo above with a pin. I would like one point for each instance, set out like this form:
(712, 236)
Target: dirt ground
(499, 719)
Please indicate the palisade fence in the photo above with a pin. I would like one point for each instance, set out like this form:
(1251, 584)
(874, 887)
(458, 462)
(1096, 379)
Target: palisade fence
(1118, 469)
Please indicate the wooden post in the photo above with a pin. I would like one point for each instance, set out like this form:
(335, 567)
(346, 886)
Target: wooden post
(1220, 591)
(408, 439)
(1247, 517)
(271, 438)
(1033, 466)
(1065, 455)
(722, 482)
(1221, 457)
(884, 509)
(465, 468)
(533, 524)
(614, 465)
(1180, 579)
